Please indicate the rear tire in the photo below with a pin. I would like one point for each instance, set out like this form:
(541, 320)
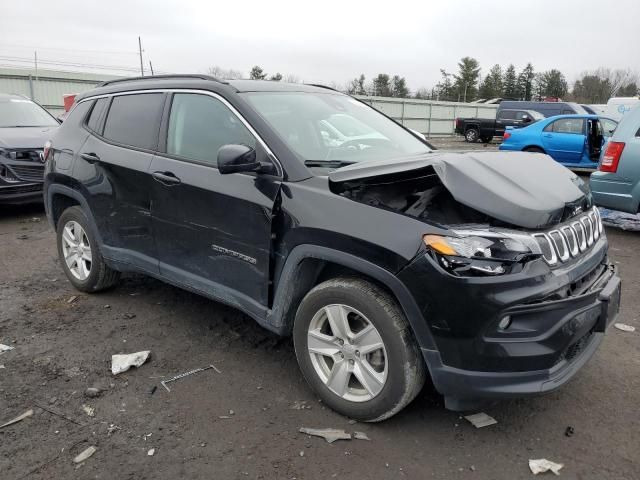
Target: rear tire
(80, 254)
(533, 150)
(471, 135)
(338, 318)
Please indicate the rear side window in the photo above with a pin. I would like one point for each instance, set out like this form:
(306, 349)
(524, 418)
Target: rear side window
(507, 115)
(134, 120)
(78, 113)
(96, 114)
(566, 125)
(199, 125)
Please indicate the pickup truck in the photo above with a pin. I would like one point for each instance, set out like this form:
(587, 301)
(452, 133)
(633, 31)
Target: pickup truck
(485, 129)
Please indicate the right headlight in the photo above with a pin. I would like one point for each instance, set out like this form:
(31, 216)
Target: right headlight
(481, 252)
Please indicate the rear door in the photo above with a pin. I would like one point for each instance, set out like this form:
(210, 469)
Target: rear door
(505, 118)
(565, 139)
(213, 231)
(113, 168)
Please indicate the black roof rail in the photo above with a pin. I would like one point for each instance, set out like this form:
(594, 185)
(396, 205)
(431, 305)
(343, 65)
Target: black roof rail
(162, 77)
(319, 85)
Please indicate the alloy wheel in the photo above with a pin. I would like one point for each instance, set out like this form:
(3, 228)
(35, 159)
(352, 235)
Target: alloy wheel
(76, 250)
(347, 353)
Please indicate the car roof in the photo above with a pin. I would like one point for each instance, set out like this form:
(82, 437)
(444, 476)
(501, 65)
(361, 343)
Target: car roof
(196, 81)
(579, 115)
(7, 96)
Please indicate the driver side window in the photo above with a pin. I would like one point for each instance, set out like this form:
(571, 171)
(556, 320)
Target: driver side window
(200, 124)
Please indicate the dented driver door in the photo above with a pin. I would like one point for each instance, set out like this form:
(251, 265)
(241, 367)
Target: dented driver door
(212, 231)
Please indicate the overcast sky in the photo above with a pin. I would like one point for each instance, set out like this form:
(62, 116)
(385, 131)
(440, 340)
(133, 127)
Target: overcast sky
(324, 41)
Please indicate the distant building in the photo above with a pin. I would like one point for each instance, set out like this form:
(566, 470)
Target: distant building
(48, 87)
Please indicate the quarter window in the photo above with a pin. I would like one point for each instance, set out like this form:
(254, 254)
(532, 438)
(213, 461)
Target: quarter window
(134, 120)
(200, 124)
(507, 115)
(96, 114)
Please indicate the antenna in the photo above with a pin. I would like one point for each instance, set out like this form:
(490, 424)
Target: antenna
(140, 51)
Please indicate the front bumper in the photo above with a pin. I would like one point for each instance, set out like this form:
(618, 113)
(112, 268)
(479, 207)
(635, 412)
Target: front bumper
(21, 193)
(550, 338)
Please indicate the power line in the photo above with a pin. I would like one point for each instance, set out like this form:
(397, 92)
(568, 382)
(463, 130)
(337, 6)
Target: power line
(71, 50)
(70, 64)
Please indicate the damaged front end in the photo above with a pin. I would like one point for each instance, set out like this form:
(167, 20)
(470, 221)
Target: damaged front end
(496, 208)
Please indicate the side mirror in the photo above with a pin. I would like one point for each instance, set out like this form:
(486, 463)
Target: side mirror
(526, 119)
(239, 158)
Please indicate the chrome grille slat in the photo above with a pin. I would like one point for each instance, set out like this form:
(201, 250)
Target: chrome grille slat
(561, 244)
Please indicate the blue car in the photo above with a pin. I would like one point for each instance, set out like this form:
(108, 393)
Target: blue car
(572, 140)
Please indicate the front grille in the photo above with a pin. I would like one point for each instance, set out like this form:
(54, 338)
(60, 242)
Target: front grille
(28, 173)
(20, 189)
(28, 155)
(570, 240)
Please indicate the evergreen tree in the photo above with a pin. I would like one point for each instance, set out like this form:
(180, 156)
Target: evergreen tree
(257, 73)
(510, 83)
(466, 82)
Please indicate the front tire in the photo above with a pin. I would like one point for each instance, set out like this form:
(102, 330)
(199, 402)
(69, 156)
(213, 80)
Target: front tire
(80, 254)
(356, 350)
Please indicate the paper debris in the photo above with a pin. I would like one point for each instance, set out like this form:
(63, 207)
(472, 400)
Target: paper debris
(85, 454)
(624, 327)
(480, 420)
(360, 436)
(5, 348)
(26, 414)
(122, 363)
(543, 465)
(329, 434)
(89, 410)
(151, 452)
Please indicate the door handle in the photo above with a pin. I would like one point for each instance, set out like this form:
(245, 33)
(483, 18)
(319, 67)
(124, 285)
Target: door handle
(166, 178)
(547, 135)
(90, 157)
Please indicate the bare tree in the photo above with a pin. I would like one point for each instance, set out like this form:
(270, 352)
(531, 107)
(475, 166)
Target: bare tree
(291, 78)
(223, 73)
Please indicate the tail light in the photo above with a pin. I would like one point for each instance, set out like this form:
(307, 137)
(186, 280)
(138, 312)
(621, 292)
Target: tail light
(611, 157)
(47, 149)
(505, 136)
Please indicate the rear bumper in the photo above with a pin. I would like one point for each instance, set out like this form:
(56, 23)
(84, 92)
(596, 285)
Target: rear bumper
(576, 337)
(22, 193)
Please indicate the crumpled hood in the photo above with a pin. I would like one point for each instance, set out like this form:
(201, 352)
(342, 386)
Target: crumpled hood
(525, 189)
(25, 137)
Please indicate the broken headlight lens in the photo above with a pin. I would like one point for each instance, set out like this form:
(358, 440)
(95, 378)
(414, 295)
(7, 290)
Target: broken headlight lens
(474, 253)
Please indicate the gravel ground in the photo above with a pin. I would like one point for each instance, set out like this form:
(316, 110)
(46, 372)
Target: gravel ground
(244, 422)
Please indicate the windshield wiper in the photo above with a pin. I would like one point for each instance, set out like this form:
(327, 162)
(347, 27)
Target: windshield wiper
(327, 163)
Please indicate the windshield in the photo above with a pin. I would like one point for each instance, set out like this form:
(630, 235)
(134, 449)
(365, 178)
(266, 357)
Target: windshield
(535, 115)
(326, 128)
(20, 112)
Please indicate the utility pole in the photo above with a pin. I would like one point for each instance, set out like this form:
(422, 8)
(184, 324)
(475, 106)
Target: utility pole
(35, 59)
(151, 67)
(140, 50)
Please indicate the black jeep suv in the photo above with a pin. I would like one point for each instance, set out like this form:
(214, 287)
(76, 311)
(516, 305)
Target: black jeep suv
(321, 218)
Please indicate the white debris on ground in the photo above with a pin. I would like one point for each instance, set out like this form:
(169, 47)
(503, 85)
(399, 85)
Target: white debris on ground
(19, 418)
(624, 327)
(625, 221)
(360, 436)
(84, 455)
(329, 434)
(480, 420)
(543, 465)
(5, 348)
(122, 363)
(89, 410)
(151, 452)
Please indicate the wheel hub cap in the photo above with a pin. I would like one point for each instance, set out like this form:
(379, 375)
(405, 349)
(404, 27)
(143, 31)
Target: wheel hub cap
(347, 353)
(76, 250)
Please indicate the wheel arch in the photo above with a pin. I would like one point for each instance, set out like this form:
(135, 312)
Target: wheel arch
(61, 197)
(542, 150)
(308, 265)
